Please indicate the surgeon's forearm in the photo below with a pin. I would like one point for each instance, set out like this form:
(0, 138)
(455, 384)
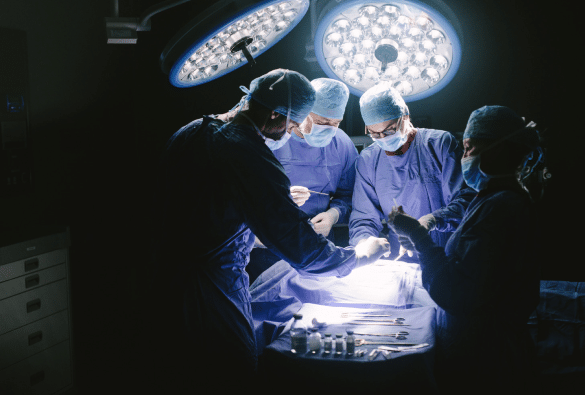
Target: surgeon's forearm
(343, 206)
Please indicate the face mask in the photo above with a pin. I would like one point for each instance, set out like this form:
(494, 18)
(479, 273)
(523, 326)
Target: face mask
(276, 144)
(392, 143)
(473, 176)
(320, 135)
(270, 143)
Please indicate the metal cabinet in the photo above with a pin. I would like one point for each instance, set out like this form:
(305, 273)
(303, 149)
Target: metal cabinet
(35, 316)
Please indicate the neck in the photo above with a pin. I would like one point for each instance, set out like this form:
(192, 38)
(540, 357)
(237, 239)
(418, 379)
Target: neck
(402, 150)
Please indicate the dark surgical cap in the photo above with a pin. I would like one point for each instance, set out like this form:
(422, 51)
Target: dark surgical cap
(500, 123)
(277, 88)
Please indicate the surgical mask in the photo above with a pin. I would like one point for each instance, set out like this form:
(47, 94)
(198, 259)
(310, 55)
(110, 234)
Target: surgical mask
(276, 144)
(320, 135)
(270, 143)
(393, 142)
(472, 174)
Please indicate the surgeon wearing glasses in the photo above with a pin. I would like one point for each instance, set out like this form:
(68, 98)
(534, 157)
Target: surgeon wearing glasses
(220, 185)
(416, 167)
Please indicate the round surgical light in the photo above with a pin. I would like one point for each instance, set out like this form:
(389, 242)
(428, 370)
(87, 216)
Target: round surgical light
(228, 35)
(427, 46)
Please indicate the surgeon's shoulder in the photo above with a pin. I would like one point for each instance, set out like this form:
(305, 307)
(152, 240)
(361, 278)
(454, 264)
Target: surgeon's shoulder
(505, 204)
(437, 140)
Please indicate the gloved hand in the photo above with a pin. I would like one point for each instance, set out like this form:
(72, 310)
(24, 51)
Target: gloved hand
(300, 194)
(258, 243)
(323, 222)
(405, 225)
(406, 247)
(371, 249)
(428, 222)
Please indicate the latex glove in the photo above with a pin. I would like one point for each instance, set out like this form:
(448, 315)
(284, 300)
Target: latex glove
(406, 247)
(323, 222)
(258, 243)
(405, 225)
(429, 222)
(300, 194)
(371, 249)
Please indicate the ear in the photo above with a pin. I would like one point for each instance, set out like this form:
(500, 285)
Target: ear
(274, 115)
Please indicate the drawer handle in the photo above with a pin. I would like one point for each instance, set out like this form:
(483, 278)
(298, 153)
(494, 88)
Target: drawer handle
(37, 377)
(32, 281)
(35, 337)
(33, 305)
(31, 264)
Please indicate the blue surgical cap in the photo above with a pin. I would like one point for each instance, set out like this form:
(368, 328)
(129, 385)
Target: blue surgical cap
(382, 103)
(277, 88)
(332, 97)
(500, 123)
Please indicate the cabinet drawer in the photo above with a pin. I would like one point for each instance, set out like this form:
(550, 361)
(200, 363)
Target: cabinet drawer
(23, 342)
(32, 280)
(33, 305)
(32, 264)
(43, 373)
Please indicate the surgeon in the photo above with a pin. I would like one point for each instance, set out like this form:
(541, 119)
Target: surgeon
(320, 157)
(220, 185)
(418, 168)
(485, 281)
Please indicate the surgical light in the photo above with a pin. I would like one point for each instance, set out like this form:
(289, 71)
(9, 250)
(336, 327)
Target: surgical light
(227, 36)
(407, 42)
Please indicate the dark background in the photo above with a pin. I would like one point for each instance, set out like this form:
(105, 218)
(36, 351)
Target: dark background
(100, 116)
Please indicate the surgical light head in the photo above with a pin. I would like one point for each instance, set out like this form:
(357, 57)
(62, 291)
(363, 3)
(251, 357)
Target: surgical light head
(500, 123)
(287, 92)
(382, 103)
(227, 35)
(331, 98)
(414, 44)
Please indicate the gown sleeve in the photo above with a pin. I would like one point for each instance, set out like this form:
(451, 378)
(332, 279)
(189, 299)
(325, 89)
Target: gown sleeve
(262, 190)
(486, 256)
(366, 216)
(342, 197)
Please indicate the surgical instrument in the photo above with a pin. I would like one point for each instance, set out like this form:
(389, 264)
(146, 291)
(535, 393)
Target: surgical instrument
(396, 320)
(376, 323)
(364, 342)
(401, 333)
(320, 193)
(405, 348)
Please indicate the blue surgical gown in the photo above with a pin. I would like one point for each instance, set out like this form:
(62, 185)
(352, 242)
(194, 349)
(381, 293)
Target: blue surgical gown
(329, 169)
(423, 180)
(219, 186)
(486, 284)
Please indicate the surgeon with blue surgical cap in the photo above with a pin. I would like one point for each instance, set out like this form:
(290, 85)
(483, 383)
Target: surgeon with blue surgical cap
(418, 168)
(219, 186)
(486, 279)
(319, 157)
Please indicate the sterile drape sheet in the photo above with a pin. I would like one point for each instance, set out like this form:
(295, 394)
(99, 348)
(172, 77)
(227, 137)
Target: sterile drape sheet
(280, 291)
(386, 287)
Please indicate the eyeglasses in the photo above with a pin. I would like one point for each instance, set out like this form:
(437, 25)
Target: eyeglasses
(389, 131)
